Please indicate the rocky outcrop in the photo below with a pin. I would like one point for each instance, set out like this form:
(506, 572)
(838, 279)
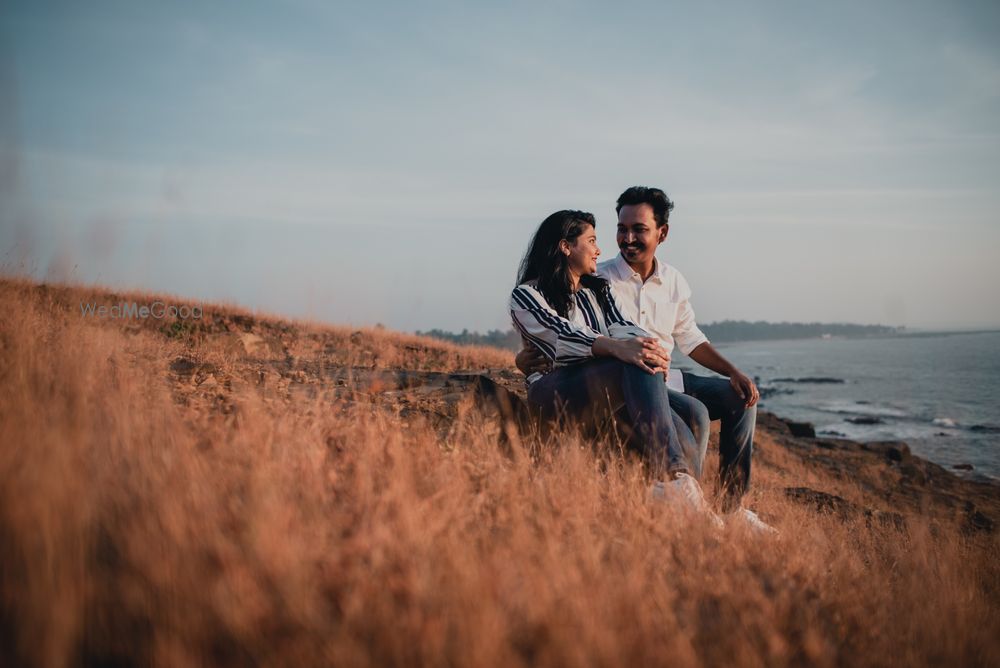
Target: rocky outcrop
(824, 502)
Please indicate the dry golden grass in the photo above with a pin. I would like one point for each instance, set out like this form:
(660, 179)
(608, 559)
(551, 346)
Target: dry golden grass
(146, 520)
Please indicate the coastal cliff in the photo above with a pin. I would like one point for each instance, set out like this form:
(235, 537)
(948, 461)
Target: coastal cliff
(240, 488)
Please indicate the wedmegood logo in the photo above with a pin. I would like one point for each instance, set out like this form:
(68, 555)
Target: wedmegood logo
(157, 310)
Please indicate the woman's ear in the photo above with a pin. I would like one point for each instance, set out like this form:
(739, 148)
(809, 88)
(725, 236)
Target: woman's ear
(564, 247)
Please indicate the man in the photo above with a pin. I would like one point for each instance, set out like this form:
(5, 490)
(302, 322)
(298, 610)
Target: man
(656, 297)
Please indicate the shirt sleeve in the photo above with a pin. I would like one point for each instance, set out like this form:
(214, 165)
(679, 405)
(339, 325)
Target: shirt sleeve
(556, 337)
(619, 327)
(686, 334)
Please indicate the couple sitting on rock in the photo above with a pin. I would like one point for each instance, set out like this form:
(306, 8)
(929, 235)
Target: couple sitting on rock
(597, 343)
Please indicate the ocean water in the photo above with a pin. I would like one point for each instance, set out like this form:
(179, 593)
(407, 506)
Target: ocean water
(939, 393)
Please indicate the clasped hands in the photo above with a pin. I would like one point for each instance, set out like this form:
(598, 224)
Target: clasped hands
(645, 352)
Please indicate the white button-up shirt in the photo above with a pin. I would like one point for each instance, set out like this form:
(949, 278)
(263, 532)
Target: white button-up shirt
(660, 305)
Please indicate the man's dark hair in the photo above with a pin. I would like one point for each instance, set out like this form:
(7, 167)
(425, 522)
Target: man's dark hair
(654, 197)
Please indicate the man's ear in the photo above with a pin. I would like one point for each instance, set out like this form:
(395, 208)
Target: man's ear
(662, 233)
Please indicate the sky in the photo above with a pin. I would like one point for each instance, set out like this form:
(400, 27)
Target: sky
(364, 163)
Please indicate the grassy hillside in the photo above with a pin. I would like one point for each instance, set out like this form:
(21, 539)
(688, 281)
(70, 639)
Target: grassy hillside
(246, 490)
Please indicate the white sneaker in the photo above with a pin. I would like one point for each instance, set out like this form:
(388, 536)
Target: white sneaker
(749, 519)
(685, 492)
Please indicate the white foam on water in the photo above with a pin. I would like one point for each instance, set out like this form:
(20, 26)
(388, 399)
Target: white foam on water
(845, 407)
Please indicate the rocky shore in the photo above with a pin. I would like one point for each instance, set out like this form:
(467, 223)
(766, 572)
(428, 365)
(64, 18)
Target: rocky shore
(892, 482)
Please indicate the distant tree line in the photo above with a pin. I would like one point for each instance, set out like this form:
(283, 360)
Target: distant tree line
(726, 331)
(742, 330)
(496, 338)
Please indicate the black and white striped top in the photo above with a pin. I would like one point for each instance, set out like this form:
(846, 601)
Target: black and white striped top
(567, 340)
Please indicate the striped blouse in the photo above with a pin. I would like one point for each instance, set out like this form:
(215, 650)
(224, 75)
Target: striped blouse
(567, 340)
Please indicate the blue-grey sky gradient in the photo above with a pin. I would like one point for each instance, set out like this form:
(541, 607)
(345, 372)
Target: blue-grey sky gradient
(388, 163)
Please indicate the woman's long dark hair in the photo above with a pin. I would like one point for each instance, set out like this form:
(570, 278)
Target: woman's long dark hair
(548, 267)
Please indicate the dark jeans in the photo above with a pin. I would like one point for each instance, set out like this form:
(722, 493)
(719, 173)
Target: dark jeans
(592, 392)
(722, 403)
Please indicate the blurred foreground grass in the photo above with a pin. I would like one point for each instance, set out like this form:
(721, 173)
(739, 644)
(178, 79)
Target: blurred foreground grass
(227, 497)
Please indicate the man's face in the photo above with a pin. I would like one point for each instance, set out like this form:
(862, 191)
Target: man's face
(638, 235)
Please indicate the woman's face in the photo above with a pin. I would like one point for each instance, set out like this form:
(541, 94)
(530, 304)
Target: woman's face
(583, 252)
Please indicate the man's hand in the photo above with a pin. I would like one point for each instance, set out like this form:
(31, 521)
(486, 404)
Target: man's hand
(530, 360)
(707, 356)
(744, 387)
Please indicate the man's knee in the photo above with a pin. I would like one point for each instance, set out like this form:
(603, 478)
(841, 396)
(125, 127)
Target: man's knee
(735, 404)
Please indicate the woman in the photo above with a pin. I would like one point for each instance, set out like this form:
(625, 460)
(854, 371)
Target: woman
(602, 363)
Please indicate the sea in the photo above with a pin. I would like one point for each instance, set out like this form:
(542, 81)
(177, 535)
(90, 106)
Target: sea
(940, 393)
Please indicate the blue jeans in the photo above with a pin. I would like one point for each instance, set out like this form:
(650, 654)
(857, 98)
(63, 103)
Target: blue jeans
(593, 391)
(722, 403)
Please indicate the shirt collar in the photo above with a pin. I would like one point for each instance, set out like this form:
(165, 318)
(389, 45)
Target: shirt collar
(621, 267)
(626, 272)
(658, 270)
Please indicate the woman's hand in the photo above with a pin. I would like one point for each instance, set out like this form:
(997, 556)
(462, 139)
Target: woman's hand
(531, 360)
(644, 352)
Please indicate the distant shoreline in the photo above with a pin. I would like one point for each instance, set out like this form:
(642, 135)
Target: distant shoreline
(724, 333)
